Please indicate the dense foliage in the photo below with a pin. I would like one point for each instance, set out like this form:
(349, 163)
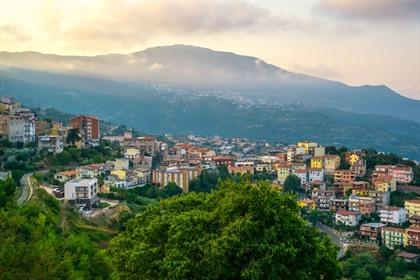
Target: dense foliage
(236, 231)
(366, 266)
(292, 183)
(45, 240)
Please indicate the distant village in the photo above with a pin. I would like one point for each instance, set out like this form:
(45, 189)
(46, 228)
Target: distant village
(349, 194)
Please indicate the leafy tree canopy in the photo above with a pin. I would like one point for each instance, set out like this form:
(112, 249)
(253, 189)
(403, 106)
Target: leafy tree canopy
(239, 230)
(292, 184)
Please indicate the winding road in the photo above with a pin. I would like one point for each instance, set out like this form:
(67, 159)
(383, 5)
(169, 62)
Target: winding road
(27, 190)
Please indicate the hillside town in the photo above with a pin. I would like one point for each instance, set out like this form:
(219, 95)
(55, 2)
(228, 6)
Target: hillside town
(337, 186)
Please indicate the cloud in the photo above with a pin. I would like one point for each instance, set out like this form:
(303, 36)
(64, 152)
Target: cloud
(114, 25)
(11, 32)
(382, 10)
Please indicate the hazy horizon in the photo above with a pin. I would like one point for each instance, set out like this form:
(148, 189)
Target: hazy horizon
(370, 42)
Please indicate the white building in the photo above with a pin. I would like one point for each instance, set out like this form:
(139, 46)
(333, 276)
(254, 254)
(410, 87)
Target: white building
(348, 218)
(21, 126)
(302, 174)
(393, 215)
(82, 191)
(51, 143)
(315, 174)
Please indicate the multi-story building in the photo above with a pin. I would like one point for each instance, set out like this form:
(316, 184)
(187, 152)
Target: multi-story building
(21, 126)
(401, 173)
(323, 197)
(359, 168)
(338, 204)
(341, 176)
(243, 169)
(393, 215)
(348, 218)
(82, 191)
(393, 237)
(413, 236)
(283, 171)
(51, 143)
(316, 175)
(331, 163)
(371, 230)
(223, 160)
(3, 125)
(385, 184)
(148, 145)
(302, 174)
(364, 205)
(179, 175)
(381, 198)
(88, 127)
(308, 146)
(8, 105)
(133, 155)
(412, 207)
(317, 162)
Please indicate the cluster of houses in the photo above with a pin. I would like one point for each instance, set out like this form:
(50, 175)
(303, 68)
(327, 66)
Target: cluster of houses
(20, 125)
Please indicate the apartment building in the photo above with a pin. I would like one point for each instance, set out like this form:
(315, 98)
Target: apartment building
(316, 175)
(381, 198)
(401, 173)
(51, 143)
(338, 204)
(348, 218)
(302, 174)
(364, 205)
(331, 163)
(283, 171)
(82, 191)
(323, 197)
(317, 162)
(371, 230)
(393, 237)
(344, 176)
(393, 215)
(179, 175)
(21, 126)
(413, 236)
(385, 184)
(412, 207)
(88, 127)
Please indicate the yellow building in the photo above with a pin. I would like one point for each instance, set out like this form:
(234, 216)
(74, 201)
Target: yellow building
(121, 174)
(282, 173)
(317, 162)
(121, 163)
(332, 162)
(307, 145)
(412, 207)
(386, 183)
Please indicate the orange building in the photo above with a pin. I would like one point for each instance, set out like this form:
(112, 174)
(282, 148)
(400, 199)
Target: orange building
(88, 127)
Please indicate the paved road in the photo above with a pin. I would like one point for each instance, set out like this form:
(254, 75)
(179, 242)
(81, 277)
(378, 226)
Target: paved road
(27, 190)
(336, 239)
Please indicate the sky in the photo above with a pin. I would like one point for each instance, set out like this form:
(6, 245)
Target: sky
(355, 41)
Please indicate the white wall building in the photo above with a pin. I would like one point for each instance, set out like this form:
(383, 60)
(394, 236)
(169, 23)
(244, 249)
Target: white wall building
(348, 218)
(82, 191)
(21, 126)
(315, 174)
(51, 143)
(393, 215)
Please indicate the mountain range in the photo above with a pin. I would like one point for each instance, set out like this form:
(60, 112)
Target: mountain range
(184, 89)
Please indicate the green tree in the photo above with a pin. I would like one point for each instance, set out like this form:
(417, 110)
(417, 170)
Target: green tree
(237, 231)
(7, 190)
(73, 136)
(292, 184)
(171, 189)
